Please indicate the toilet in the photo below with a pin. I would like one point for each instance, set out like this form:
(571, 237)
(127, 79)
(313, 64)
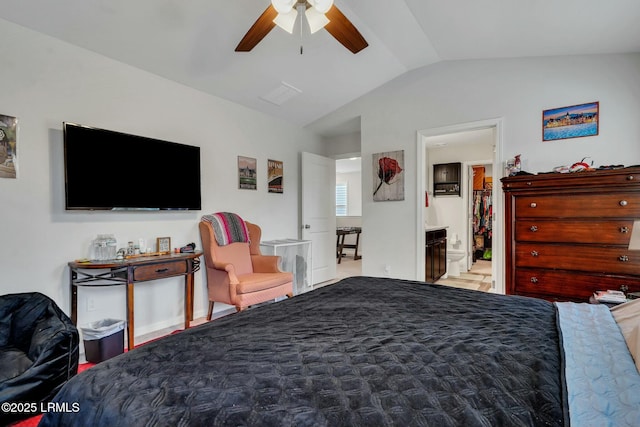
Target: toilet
(454, 256)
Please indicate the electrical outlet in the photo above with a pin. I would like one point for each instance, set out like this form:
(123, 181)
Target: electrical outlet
(91, 304)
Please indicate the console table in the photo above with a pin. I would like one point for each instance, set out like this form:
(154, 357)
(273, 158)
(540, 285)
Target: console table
(130, 271)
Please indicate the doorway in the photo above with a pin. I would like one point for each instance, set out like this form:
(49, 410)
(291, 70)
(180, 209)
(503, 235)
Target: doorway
(426, 145)
(349, 212)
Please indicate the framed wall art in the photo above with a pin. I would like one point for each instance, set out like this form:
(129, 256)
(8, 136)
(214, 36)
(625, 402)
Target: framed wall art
(574, 121)
(8, 145)
(247, 176)
(388, 179)
(275, 176)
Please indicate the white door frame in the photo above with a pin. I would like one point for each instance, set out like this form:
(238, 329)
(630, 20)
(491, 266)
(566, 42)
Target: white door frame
(497, 264)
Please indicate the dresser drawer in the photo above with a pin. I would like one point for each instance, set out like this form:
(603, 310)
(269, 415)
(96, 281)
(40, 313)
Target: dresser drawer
(158, 271)
(612, 232)
(567, 286)
(611, 205)
(594, 259)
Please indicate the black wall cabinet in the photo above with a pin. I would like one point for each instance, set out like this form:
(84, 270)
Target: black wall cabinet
(446, 179)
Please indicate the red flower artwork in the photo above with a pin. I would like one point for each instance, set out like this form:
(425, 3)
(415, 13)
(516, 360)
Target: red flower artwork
(388, 169)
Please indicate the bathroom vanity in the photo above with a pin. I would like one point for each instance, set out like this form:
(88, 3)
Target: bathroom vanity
(435, 253)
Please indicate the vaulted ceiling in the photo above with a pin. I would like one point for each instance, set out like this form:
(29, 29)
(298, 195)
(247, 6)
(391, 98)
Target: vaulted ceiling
(192, 42)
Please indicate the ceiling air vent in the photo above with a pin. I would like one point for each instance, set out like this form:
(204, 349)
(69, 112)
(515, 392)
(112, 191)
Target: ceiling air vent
(281, 94)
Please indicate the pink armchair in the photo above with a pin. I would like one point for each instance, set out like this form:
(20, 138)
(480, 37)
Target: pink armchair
(238, 274)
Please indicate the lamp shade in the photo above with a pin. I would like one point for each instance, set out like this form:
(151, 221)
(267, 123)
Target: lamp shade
(286, 21)
(316, 20)
(283, 6)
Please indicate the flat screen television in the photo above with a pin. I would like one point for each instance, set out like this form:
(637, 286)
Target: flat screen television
(108, 170)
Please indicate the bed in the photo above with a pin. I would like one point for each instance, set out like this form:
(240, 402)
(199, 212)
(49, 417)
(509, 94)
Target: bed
(371, 352)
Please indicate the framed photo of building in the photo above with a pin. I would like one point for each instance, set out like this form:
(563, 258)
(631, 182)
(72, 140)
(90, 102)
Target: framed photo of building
(8, 145)
(275, 176)
(574, 121)
(247, 176)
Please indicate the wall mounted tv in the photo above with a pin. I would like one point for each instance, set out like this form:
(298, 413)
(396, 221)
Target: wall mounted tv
(107, 170)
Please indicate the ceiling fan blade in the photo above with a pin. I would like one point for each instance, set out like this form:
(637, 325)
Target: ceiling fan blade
(258, 30)
(344, 31)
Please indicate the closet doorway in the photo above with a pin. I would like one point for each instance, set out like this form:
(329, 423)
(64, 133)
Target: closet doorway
(481, 215)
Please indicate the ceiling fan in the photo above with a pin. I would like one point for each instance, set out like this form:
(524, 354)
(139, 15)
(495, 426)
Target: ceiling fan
(319, 14)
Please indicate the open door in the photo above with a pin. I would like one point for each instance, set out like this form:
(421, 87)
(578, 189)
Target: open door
(319, 214)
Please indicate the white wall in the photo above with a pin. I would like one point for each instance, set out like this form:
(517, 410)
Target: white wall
(44, 82)
(342, 146)
(456, 92)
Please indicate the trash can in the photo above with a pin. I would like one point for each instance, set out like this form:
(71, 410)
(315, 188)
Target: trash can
(103, 340)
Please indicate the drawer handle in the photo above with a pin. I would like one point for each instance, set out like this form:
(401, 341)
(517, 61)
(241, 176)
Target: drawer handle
(534, 228)
(533, 205)
(624, 229)
(534, 279)
(162, 270)
(534, 253)
(623, 258)
(623, 203)
(630, 178)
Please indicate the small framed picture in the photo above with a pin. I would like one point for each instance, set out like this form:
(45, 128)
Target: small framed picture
(247, 176)
(163, 244)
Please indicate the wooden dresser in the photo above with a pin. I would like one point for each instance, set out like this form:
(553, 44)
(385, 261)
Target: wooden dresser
(567, 235)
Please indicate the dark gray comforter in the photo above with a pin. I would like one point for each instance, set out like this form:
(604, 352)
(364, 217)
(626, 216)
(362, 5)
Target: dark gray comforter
(363, 352)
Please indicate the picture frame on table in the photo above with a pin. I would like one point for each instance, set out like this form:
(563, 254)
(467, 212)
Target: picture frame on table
(163, 245)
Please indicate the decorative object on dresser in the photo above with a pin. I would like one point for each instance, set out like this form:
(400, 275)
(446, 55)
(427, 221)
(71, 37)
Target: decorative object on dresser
(568, 235)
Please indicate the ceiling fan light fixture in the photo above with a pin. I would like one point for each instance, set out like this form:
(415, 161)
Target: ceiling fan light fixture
(315, 19)
(283, 6)
(287, 21)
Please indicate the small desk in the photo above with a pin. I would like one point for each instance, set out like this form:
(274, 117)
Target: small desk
(130, 271)
(341, 232)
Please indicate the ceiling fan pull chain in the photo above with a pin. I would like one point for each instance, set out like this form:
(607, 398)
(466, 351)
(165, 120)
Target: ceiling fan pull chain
(301, 40)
